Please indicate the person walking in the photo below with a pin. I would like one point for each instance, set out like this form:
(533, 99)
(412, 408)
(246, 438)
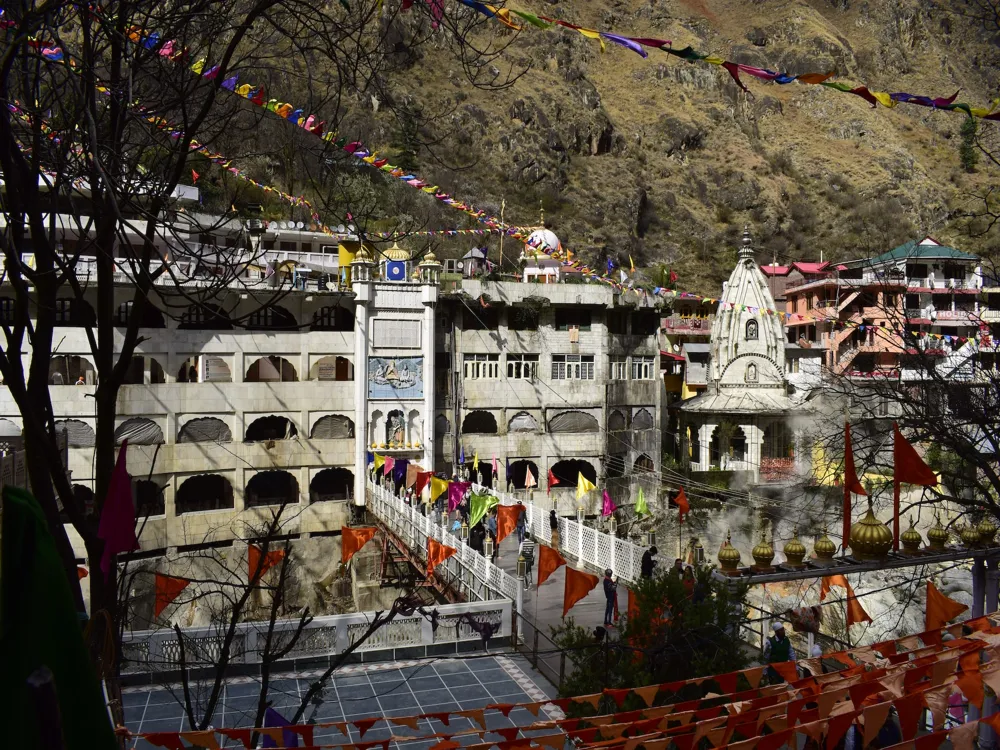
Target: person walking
(611, 594)
(648, 563)
(777, 649)
(554, 527)
(491, 529)
(522, 522)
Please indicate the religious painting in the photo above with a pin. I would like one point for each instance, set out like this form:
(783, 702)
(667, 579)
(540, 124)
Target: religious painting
(396, 378)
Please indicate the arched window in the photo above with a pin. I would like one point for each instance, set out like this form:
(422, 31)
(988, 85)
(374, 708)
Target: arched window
(139, 431)
(78, 434)
(395, 427)
(148, 498)
(751, 373)
(71, 370)
(441, 425)
(216, 370)
(270, 428)
(271, 318)
(519, 474)
(751, 330)
(271, 369)
(205, 318)
(573, 421)
(271, 488)
(522, 422)
(136, 373)
(204, 492)
(333, 318)
(331, 484)
(332, 427)
(332, 368)
(205, 430)
(567, 472)
(643, 420)
(615, 466)
(479, 422)
(151, 317)
(616, 421)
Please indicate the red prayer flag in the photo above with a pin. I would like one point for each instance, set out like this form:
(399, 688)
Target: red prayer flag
(117, 526)
(437, 553)
(241, 735)
(578, 585)
(169, 740)
(423, 477)
(851, 483)
(682, 505)
(548, 562)
(908, 467)
(507, 520)
(352, 540)
(940, 609)
(194, 176)
(552, 482)
(855, 612)
(81, 572)
(167, 588)
(258, 567)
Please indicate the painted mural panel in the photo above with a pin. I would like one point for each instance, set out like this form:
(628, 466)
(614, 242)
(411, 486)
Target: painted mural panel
(396, 378)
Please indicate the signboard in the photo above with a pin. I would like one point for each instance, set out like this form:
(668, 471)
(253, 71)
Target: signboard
(396, 378)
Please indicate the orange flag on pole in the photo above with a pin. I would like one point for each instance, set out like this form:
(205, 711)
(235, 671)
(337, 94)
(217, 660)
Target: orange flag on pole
(940, 609)
(507, 520)
(548, 562)
(578, 585)
(437, 553)
(908, 467)
(855, 612)
(258, 567)
(851, 484)
(352, 540)
(682, 505)
(167, 589)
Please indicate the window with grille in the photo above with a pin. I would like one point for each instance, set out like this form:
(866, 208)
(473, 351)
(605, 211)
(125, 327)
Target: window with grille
(642, 368)
(522, 366)
(619, 368)
(572, 366)
(482, 366)
(570, 317)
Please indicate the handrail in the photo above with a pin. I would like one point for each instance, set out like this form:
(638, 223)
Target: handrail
(588, 545)
(471, 574)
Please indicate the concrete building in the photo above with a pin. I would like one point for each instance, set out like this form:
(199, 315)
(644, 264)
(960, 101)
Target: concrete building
(278, 386)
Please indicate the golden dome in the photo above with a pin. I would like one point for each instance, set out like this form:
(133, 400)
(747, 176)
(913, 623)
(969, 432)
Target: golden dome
(363, 256)
(729, 556)
(763, 554)
(937, 537)
(430, 259)
(970, 536)
(824, 548)
(987, 532)
(911, 540)
(795, 551)
(870, 538)
(396, 253)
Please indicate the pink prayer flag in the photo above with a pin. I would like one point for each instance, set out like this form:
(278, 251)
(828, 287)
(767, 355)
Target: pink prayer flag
(456, 491)
(608, 507)
(496, 468)
(117, 526)
(387, 466)
(529, 479)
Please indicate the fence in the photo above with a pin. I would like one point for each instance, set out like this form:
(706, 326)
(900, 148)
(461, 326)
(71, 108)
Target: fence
(159, 650)
(590, 546)
(469, 573)
(539, 649)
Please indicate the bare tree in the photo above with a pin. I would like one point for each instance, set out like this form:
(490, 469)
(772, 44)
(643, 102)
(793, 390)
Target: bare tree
(94, 145)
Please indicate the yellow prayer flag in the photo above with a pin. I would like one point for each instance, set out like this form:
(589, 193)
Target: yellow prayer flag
(438, 487)
(583, 486)
(631, 262)
(379, 461)
(475, 461)
(591, 34)
(884, 99)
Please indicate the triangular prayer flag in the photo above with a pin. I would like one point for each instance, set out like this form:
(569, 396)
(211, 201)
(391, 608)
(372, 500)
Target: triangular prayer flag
(438, 487)
(352, 540)
(117, 525)
(194, 176)
(529, 478)
(479, 506)
(388, 465)
(437, 553)
(552, 482)
(496, 467)
(683, 506)
(940, 609)
(608, 505)
(855, 612)
(379, 461)
(640, 504)
(423, 477)
(907, 467)
(549, 560)
(507, 516)
(167, 589)
(257, 567)
(475, 460)
(578, 585)
(456, 491)
(583, 486)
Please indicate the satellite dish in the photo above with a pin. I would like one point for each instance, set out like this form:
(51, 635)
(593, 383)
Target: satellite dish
(676, 348)
(351, 228)
(300, 225)
(460, 265)
(281, 225)
(341, 229)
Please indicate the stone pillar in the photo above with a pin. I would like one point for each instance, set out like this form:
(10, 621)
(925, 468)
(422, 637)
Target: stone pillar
(239, 367)
(704, 445)
(429, 296)
(361, 437)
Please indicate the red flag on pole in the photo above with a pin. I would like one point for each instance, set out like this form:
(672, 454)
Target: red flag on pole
(258, 567)
(682, 505)
(168, 588)
(908, 467)
(552, 482)
(507, 520)
(578, 585)
(437, 553)
(940, 609)
(352, 540)
(117, 525)
(548, 562)
(851, 483)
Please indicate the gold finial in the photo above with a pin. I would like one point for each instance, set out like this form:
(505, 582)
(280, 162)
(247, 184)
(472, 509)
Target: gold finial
(911, 540)
(541, 213)
(795, 551)
(937, 537)
(870, 538)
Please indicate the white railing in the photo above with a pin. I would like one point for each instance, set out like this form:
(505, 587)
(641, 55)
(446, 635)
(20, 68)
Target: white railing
(588, 545)
(468, 572)
(156, 650)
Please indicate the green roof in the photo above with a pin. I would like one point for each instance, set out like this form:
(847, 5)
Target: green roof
(913, 249)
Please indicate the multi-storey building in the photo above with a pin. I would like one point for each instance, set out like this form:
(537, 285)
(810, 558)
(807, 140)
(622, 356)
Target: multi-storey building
(278, 387)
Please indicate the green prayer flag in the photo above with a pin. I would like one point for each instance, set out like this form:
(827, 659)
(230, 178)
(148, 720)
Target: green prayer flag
(479, 506)
(640, 504)
(532, 19)
(39, 627)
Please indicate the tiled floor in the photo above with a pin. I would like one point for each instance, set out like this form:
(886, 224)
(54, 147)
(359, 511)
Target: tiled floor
(386, 690)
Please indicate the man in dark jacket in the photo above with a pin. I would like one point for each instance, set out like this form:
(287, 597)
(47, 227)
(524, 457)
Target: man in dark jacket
(648, 563)
(611, 594)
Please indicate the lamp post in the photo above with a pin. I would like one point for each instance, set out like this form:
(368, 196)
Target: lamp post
(465, 532)
(488, 547)
(579, 514)
(650, 538)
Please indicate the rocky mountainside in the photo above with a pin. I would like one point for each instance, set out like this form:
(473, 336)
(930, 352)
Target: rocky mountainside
(665, 160)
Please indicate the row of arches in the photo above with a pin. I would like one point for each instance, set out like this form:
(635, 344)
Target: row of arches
(566, 472)
(214, 492)
(77, 370)
(728, 443)
(144, 431)
(642, 420)
(480, 422)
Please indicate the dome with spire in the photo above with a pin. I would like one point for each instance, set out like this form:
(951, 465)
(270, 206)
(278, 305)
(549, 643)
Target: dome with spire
(544, 240)
(396, 253)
